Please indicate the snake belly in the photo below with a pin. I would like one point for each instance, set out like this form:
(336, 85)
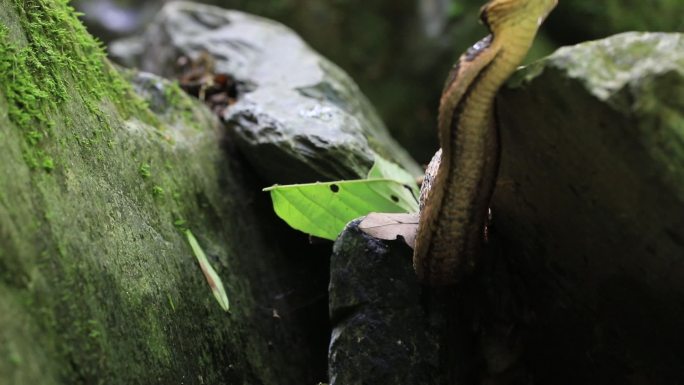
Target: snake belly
(460, 179)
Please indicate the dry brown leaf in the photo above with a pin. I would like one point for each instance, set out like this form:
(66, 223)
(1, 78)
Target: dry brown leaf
(390, 226)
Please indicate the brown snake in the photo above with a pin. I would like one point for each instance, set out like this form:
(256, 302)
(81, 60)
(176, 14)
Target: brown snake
(459, 181)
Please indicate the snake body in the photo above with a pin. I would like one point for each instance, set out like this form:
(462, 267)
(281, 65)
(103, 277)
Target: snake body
(460, 178)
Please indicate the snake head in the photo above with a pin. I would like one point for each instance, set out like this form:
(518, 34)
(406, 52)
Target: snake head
(497, 14)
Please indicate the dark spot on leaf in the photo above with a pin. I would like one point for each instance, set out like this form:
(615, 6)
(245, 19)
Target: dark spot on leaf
(410, 190)
(395, 198)
(334, 188)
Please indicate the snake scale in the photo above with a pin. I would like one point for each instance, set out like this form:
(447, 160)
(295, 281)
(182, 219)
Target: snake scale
(460, 178)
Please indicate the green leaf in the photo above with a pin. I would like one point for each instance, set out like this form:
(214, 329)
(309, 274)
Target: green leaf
(323, 209)
(384, 169)
(210, 275)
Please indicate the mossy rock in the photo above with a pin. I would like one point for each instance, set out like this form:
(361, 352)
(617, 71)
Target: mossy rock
(97, 281)
(590, 201)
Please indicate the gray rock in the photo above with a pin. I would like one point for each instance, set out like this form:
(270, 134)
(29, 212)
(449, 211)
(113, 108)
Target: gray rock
(299, 118)
(400, 62)
(381, 334)
(581, 280)
(590, 200)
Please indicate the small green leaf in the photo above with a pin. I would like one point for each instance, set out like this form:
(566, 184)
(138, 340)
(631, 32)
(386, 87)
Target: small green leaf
(323, 209)
(384, 169)
(212, 278)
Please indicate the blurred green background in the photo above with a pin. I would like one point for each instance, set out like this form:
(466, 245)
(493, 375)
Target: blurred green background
(399, 51)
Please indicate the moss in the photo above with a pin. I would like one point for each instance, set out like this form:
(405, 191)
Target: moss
(14, 356)
(33, 77)
(182, 107)
(89, 254)
(157, 191)
(48, 164)
(180, 223)
(144, 170)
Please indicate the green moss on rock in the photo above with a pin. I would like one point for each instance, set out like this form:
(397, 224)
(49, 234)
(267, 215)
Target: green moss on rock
(97, 285)
(49, 58)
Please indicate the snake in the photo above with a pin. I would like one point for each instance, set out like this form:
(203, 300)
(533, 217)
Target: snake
(459, 181)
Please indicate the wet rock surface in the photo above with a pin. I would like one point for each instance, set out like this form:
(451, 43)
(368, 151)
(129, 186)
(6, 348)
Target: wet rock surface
(298, 117)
